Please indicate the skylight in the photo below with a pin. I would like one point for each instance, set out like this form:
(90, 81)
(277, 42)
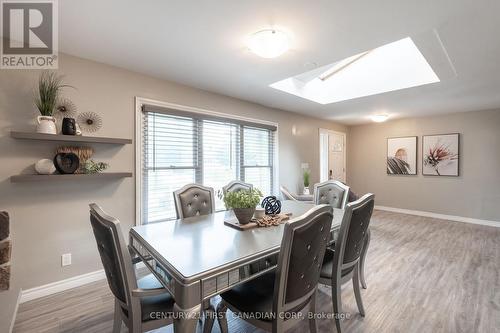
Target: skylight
(390, 67)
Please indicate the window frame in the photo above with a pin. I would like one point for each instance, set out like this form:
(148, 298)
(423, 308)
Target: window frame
(140, 101)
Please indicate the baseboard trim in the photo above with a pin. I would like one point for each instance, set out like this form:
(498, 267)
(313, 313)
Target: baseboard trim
(440, 216)
(58, 286)
(14, 315)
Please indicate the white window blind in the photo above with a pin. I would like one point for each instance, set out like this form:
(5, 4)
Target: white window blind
(179, 148)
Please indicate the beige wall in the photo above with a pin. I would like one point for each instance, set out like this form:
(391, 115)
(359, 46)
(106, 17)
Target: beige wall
(475, 193)
(50, 219)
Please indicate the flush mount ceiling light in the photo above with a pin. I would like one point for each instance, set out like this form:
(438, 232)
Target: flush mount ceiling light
(380, 118)
(269, 43)
(390, 67)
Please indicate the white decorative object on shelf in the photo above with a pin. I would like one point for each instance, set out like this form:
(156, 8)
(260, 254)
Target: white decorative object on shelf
(45, 167)
(46, 125)
(78, 129)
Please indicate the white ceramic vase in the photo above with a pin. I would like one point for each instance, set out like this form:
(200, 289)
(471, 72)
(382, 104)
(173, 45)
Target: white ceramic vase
(306, 190)
(46, 125)
(45, 167)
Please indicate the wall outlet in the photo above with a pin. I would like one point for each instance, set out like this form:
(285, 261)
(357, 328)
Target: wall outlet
(66, 259)
(304, 166)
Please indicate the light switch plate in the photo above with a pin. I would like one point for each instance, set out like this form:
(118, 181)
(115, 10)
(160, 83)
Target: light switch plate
(66, 259)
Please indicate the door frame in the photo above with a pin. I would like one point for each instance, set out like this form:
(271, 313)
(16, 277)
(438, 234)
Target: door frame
(328, 132)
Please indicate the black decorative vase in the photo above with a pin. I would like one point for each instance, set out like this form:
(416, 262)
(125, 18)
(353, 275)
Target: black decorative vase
(68, 126)
(66, 163)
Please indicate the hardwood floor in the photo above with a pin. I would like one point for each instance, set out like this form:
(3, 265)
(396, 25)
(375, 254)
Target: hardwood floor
(423, 275)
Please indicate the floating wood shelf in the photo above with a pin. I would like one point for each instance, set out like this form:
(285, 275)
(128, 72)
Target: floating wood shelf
(76, 177)
(68, 138)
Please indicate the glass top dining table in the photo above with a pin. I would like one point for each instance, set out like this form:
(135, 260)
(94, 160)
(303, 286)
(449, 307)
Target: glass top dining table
(199, 257)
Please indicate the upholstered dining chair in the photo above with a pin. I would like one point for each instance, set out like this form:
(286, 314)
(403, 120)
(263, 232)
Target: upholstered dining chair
(286, 194)
(236, 185)
(331, 192)
(342, 264)
(194, 199)
(273, 300)
(143, 304)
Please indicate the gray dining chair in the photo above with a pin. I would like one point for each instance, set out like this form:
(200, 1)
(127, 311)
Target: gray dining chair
(342, 264)
(331, 192)
(273, 300)
(236, 185)
(286, 194)
(143, 304)
(193, 200)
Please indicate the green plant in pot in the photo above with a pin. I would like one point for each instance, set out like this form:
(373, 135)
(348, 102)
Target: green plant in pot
(243, 203)
(46, 97)
(306, 176)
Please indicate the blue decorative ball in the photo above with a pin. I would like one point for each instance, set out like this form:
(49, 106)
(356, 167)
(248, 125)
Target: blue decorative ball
(271, 205)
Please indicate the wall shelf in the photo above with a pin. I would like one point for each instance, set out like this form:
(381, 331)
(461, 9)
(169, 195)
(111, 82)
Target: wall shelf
(68, 138)
(75, 177)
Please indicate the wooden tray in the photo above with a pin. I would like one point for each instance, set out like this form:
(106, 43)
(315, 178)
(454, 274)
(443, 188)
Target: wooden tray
(233, 222)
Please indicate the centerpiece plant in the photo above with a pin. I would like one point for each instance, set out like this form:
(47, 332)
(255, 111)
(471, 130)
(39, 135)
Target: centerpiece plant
(243, 203)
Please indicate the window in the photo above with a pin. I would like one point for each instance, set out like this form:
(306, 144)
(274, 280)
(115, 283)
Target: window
(394, 66)
(180, 147)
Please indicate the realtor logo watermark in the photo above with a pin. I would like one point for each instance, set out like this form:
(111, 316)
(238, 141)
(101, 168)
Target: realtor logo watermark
(29, 34)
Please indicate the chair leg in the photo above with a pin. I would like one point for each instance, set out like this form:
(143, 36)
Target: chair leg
(117, 320)
(357, 292)
(363, 257)
(209, 319)
(222, 316)
(337, 305)
(313, 328)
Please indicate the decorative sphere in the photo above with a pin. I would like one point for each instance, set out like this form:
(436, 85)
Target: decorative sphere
(271, 205)
(45, 167)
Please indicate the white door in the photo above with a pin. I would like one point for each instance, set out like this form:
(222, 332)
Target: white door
(332, 155)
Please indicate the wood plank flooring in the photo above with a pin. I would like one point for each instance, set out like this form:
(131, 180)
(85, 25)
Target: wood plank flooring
(423, 275)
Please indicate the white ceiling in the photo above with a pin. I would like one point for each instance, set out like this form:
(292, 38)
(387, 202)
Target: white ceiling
(200, 43)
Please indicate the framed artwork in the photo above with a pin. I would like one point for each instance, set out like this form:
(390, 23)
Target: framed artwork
(402, 156)
(440, 155)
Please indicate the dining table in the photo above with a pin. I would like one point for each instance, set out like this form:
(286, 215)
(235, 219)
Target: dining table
(199, 257)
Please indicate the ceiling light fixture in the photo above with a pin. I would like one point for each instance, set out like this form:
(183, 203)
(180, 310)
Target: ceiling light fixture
(380, 118)
(269, 43)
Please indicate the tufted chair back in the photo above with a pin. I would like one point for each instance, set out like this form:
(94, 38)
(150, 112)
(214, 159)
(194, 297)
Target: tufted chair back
(302, 250)
(352, 232)
(114, 254)
(332, 193)
(236, 185)
(193, 200)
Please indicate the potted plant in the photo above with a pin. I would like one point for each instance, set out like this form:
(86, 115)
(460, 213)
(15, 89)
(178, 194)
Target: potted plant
(243, 203)
(49, 86)
(306, 175)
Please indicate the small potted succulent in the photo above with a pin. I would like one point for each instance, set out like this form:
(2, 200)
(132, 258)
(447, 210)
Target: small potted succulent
(46, 98)
(243, 203)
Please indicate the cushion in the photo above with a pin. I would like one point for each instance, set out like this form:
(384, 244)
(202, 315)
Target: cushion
(326, 268)
(256, 297)
(154, 307)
